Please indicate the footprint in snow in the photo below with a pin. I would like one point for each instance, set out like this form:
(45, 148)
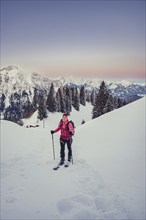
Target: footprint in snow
(77, 207)
(10, 200)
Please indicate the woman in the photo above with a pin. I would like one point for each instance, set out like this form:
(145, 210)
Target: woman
(67, 130)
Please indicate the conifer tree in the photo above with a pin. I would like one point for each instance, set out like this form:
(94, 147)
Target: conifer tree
(68, 99)
(68, 105)
(110, 104)
(68, 92)
(61, 98)
(115, 100)
(119, 103)
(2, 102)
(88, 96)
(76, 100)
(58, 106)
(51, 100)
(100, 101)
(14, 111)
(42, 109)
(35, 98)
(82, 96)
(27, 106)
(124, 102)
(93, 95)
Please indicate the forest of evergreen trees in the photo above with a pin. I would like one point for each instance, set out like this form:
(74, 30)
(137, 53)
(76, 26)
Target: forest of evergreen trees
(62, 100)
(104, 102)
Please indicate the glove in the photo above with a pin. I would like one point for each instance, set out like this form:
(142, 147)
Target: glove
(70, 133)
(52, 132)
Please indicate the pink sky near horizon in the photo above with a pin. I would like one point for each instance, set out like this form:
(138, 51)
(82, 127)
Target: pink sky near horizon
(101, 66)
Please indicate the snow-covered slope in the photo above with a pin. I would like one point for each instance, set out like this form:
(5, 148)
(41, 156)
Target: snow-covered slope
(85, 114)
(116, 147)
(106, 180)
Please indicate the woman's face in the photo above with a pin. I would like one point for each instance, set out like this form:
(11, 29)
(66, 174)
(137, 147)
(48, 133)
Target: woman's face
(64, 118)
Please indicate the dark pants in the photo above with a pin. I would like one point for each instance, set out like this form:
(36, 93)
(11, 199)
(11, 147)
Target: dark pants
(62, 150)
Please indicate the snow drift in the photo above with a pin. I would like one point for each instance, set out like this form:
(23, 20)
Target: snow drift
(106, 180)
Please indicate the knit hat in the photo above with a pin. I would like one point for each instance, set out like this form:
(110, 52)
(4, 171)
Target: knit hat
(66, 115)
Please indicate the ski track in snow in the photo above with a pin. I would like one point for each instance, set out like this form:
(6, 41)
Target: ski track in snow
(94, 200)
(84, 195)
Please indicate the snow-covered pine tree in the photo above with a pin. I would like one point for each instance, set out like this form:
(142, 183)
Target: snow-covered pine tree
(110, 104)
(61, 99)
(124, 102)
(68, 99)
(68, 93)
(119, 103)
(42, 109)
(58, 106)
(100, 100)
(51, 100)
(115, 100)
(14, 111)
(35, 98)
(27, 107)
(88, 96)
(2, 103)
(93, 95)
(7, 113)
(96, 107)
(76, 99)
(82, 96)
(72, 94)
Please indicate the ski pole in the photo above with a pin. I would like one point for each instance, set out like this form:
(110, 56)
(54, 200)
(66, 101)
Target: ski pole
(53, 147)
(72, 157)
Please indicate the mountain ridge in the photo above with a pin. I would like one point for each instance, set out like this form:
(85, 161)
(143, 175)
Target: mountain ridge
(13, 80)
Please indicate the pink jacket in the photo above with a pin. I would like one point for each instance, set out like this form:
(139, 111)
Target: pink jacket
(64, 131)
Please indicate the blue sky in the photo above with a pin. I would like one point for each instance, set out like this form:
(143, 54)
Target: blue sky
(79, 38)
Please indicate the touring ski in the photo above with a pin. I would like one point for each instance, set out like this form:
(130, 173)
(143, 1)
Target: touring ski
(56, 168)
(67, 164)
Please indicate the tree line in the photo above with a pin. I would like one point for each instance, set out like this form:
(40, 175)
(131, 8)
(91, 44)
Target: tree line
(62, 100)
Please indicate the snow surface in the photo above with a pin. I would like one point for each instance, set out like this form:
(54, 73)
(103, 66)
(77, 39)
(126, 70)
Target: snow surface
(53, 119)
(106, 181)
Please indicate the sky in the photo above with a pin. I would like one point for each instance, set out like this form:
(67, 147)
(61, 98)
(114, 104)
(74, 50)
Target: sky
(78, 38)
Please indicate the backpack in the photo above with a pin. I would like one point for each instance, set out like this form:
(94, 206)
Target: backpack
(73, 125)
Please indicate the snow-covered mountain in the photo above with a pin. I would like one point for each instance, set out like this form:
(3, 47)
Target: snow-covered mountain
(12, 80)
(126, 90)
(106, 181)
